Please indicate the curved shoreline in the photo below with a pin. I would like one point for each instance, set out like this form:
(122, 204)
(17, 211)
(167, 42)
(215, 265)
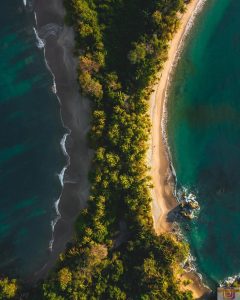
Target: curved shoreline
(75, 116)
(159, 156)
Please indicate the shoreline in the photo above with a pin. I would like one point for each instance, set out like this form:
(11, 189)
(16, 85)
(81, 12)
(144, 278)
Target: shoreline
(58, 45)
(161, 170)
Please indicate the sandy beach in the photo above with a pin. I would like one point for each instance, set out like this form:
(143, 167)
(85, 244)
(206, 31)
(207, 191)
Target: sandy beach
(158, 156)
(75, 114)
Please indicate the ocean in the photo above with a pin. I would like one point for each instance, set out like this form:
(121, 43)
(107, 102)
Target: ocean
(204, 137)
(31, 156)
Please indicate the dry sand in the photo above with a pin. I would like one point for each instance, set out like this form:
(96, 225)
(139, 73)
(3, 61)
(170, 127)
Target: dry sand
(162, 193)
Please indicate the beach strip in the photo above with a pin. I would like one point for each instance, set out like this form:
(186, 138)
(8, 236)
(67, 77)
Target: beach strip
(158, 155)
(59, 44)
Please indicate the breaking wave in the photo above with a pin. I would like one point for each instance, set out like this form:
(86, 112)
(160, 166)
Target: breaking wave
(42, 34)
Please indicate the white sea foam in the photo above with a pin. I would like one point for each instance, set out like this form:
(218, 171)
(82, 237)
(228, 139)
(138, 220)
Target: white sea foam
(54, 87)
(56, 204)
(40, 43)
(64, 150)
(61, 179)
(229, 280)
(51, 244)
(35, 16)
(189, 264)
(63, 144)
(41, 36)
(54, 222)
(61, 176)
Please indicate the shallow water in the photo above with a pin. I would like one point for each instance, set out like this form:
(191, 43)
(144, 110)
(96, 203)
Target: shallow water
(30, 152)
(204, 136)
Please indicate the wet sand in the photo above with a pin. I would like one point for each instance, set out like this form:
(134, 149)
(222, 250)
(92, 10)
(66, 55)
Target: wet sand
(75, 114)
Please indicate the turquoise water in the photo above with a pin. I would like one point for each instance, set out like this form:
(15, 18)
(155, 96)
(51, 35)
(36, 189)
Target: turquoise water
(30, 153)
(204, 136)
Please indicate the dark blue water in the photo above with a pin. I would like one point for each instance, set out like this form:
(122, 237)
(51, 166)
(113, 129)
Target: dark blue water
(30, 153)
(204, 136)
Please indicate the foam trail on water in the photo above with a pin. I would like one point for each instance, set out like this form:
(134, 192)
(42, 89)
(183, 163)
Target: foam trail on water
(63, 144)
(40, 42)
(53, 224)
(41, 45)
(64, 150)
(35, 16)
(54, 87)
(61, 176)
(45, 32)
(57, 206)
(61, 179)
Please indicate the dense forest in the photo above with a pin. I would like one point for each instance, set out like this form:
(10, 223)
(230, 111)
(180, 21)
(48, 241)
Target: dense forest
(120, 45)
